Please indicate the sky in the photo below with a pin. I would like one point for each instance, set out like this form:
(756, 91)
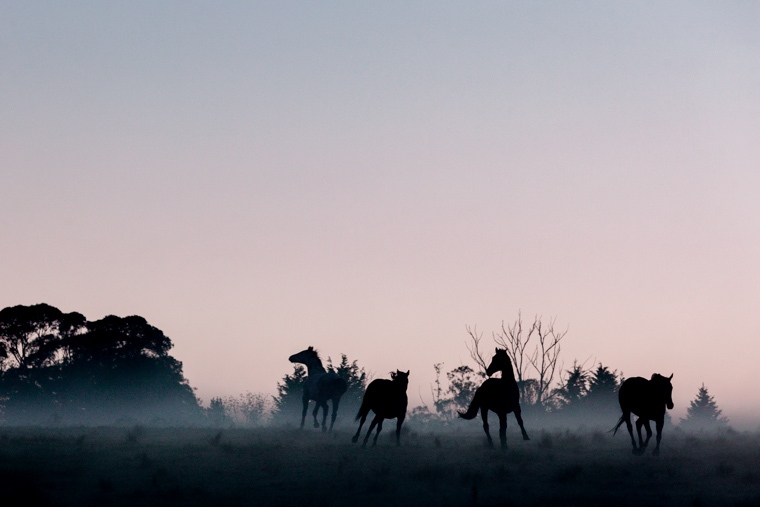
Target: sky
(371, 178)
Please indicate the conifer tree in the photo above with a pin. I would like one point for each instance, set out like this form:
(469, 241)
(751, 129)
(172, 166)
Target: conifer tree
(703, 412)
(288, 401)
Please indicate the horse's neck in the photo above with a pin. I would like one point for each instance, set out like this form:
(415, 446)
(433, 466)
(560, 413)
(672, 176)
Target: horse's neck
(508, 374)
(315, 367)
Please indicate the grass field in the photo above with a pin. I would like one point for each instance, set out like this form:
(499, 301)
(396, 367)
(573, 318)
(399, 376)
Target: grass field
(165, 466)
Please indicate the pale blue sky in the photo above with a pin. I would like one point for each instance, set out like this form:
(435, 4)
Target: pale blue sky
(369, 178)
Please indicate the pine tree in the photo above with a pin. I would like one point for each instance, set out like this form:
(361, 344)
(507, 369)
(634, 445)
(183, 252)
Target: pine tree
(703, 412)
(357, 382)
(573, 389)
(288, 402)
(603, 386)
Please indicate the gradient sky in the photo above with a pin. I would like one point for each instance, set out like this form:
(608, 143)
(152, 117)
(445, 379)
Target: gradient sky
(371, 177)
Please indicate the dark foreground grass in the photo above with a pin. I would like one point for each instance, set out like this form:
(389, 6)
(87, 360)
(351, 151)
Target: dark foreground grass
(147, 466)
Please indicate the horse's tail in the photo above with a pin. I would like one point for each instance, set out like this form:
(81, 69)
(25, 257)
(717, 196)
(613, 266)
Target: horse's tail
(619, 423)
(472, 410)
(364, 409)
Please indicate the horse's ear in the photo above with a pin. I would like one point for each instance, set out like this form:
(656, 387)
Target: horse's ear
(407, 373)
(310, 348)
(671, 377)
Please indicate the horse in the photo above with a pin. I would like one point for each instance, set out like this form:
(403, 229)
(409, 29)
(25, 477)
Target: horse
(646, 399)
(320, 386)
(500, 395)
(387, 399)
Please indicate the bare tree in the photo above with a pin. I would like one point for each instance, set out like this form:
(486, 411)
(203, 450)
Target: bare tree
(542, 359)
(473, 346)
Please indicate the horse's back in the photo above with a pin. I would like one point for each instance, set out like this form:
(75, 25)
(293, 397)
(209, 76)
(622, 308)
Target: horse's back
(331, 385)
(498, 395)
(384, 399)
(637, 395)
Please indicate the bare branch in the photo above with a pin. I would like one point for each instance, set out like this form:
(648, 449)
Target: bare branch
(473, 346)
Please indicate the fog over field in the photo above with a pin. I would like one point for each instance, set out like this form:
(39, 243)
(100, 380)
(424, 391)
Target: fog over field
(150, 466)
(191, 193)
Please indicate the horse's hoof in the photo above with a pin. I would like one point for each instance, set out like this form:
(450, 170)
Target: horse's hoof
(655, 452)
(354, 439)
(526, 437)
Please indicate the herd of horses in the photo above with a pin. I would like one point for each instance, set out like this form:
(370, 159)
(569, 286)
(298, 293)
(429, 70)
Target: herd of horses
(647, 399)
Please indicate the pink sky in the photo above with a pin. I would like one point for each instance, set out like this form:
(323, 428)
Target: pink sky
(370, 179)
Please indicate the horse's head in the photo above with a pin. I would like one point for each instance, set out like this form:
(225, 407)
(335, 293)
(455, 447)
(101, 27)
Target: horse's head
(665, 387)
(401, 378)
(500, 362)
(305, 356)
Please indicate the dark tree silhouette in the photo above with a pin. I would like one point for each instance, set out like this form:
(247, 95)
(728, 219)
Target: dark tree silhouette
(355, 377)
(463, 382)
(574, 389)
(287, 403)
(216, 412)
(703, 413)
(31, 335)
(61, 367)
(603, 385)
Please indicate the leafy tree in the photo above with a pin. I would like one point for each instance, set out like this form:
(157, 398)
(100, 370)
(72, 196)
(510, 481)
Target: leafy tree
(249, 409)
(463, 381)
(703, 412)
(60, 365)
(216, 412)
(30, 335)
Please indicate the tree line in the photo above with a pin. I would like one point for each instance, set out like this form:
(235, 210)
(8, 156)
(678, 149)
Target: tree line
(58, 367)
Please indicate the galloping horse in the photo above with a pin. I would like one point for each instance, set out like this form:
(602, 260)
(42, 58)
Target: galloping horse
(500, 395)
(387, 399)
(320, 386)
(646, 399)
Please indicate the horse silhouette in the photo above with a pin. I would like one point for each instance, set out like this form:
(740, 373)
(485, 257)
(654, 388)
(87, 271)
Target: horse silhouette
(387, 399)
(320, 386)
(646, 399)
(499, 395)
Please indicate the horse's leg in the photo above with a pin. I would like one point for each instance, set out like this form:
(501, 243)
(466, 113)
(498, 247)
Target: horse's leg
(359, 431)
(639, 424)
(627, 419)
(325, 410)
(316, 409)
(379, 428)
(305, 409)
(336, 402)
(649, 432)
(503, 430)
(658, 426)
(369, 431)
(518, 416)
(399, 422)
(484, 415)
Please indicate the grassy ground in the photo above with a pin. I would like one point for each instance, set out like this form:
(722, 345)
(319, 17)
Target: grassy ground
(150, 466)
